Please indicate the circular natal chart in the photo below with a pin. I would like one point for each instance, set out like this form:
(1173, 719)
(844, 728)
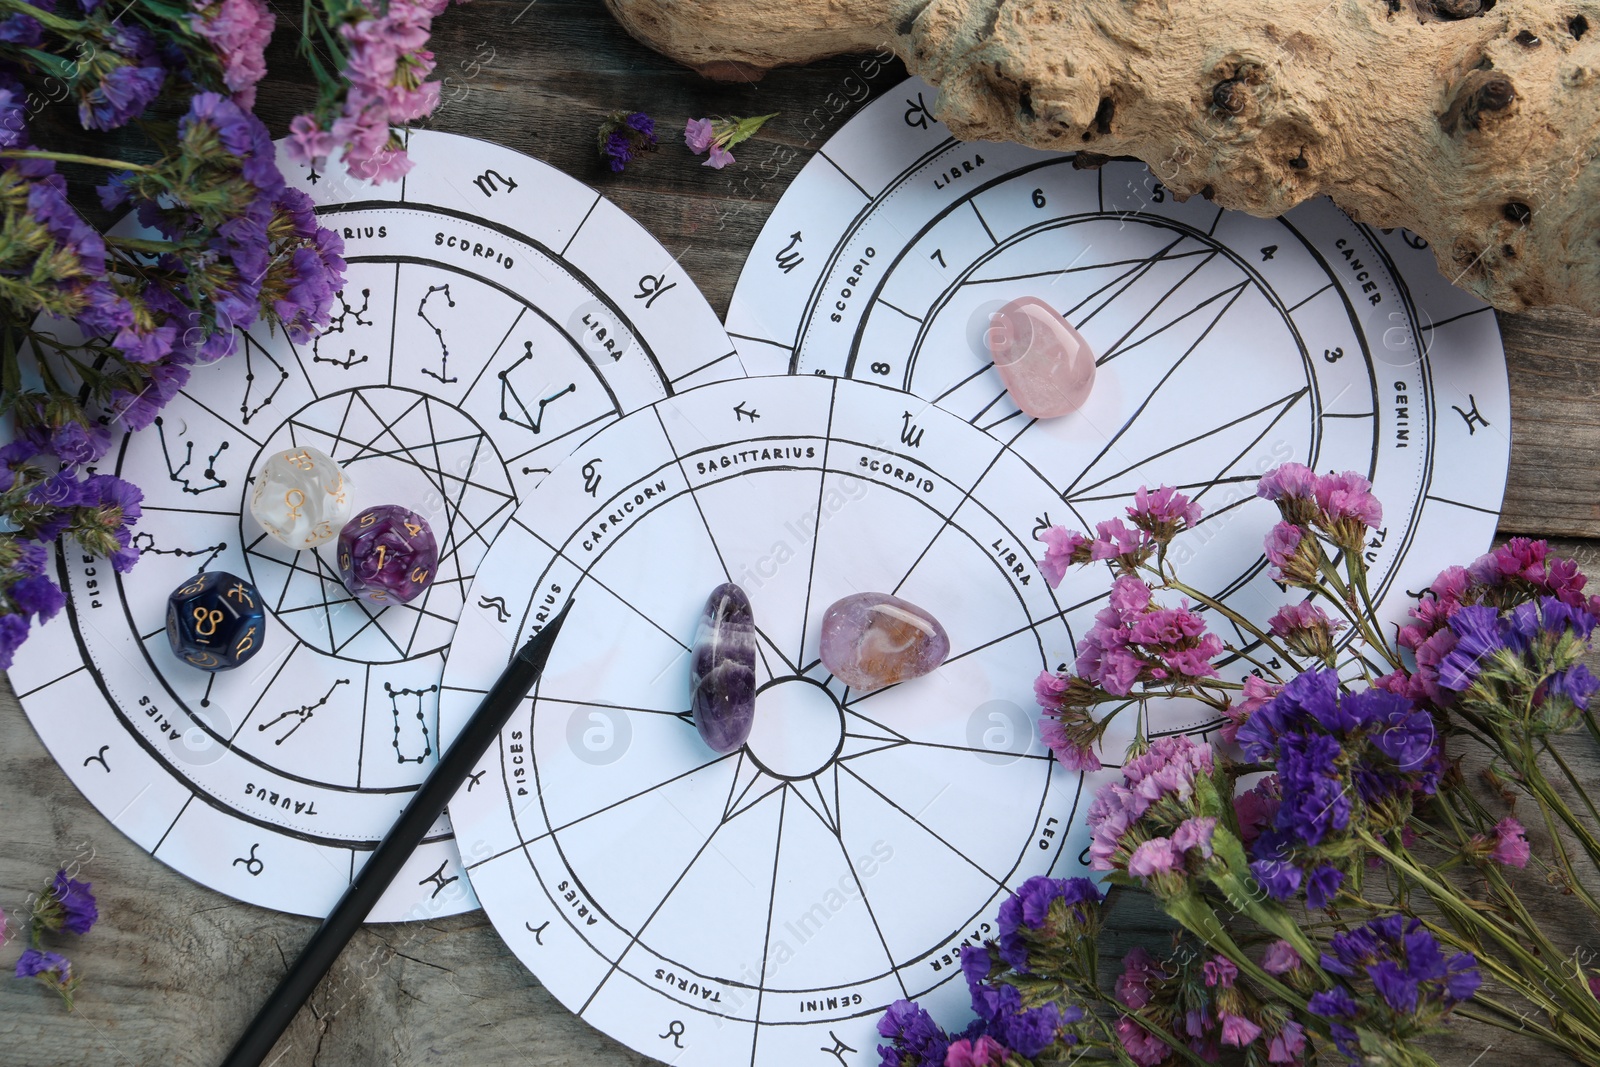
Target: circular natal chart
(495, 313)
(764, 906)
(1226, 344)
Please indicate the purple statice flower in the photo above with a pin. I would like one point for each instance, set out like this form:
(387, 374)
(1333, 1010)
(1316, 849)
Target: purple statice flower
(642, 124)
(1256, 809)
(698, 135)
(1257, 691)
(138, 410)
(1194, 834)
(52, 966)
(37, 595)
(1163, 512)
(13, 631)
(24, 30)
(618, 151)
(238, 31)
(1062, 547)
(121, 96)
(918, 1041)
(1405, 964)
(1280, 958)
(71, 905)
(1478, 638)
(1028, 913)
(1575, 684)
(1322, 885)
(624, 136)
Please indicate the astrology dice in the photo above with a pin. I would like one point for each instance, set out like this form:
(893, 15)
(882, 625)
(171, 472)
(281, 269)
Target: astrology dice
(302, 498)
(216, 621)
(387, 553)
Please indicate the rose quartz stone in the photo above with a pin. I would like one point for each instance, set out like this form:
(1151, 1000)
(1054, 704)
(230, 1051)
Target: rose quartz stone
(1047, 366)
(871, 640)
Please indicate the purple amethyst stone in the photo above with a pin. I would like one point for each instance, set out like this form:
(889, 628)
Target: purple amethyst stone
(722, 669)
(387, 554)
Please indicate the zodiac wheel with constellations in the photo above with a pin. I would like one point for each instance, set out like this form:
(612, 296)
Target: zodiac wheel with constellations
(494, 314)
(1226, 344)
(765, 906)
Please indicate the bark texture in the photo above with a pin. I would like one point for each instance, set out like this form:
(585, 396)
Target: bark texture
(1473, 123)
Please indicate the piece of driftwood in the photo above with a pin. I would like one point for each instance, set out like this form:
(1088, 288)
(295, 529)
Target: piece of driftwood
(1474, 123)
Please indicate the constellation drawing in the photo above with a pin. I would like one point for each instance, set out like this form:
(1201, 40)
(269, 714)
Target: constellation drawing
(412, 710)
(508, 392)
(257, 360)
(338, 324)
(145, 542)
(300, 715)
(175, 471)
(438, 332)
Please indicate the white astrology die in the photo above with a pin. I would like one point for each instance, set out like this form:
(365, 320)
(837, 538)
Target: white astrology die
(302, 497)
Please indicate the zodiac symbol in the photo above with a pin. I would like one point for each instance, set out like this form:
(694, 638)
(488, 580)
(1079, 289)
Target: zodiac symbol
(591, 478)
(910, 432)
(251, 863)
(674, 1031)
(99, 757)
(650, 287)
(487, 182)
(916, 115)
(474, 779)
(739, 412)
(1041, 523)
(787, 258)
(498, 603)
(437, 877)
(537, 931)
(839, 1047)
(1471, 416)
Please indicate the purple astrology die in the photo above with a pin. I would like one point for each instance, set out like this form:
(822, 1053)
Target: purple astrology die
(387, 554)
(722, 669)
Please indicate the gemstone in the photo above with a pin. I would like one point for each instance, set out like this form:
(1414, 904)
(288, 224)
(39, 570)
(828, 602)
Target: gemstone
(722, 670)
(302, 498)
(1046, 365)
(386, 554)
(871, 640)
(215, 621)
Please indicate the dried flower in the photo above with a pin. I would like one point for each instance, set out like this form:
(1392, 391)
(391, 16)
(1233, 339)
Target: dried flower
(718, 136)
(624, 136)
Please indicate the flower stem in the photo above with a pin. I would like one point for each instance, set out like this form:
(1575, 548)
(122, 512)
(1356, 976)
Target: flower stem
(73, 157)
(45, 18)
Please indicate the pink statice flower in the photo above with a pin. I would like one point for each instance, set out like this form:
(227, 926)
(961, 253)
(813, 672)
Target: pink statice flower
(1237, 1030)
(1062, 547)
(981, 1051)
(1072, 754)
(1155, 856)
(1134, 640)
(238, 30)
(1508, 845)
(1142, 1047)
(1257, 691)
(1281, 958)
(720, 135)
(1291, 481)
(1306, 629)
(1163, 512)
(1293, 552)
(1115, 541)
(1220, 972)
(1257, 808)
(1287, 1045)
(1067, 727)
(1194, 834)
(1136, 984)
(1169, 768)
(697, 134)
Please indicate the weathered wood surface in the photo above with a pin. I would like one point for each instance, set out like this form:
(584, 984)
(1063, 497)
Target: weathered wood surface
(173, 971)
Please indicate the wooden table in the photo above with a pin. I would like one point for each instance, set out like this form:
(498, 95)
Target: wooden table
(174, 970)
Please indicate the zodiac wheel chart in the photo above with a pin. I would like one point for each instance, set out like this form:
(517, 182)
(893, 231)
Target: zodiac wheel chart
(764, 906)
(495, 313)
(1226, 344)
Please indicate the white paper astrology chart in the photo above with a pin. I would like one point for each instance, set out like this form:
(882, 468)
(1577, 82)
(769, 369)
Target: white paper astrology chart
(495, 313)
(1226, 344)
(765, 906)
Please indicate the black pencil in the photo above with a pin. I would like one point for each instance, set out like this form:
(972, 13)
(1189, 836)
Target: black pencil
(402, 839)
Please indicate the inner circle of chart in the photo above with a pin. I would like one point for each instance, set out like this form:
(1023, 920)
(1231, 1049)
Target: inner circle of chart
(758, 897)
(798, 728)
(393, 444)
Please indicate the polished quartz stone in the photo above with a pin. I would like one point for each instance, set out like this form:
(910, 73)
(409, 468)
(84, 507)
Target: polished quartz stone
(302, 497)
(216, 621)
(387, 554)
(1046, 365)
(871, 640)
(722, 670)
